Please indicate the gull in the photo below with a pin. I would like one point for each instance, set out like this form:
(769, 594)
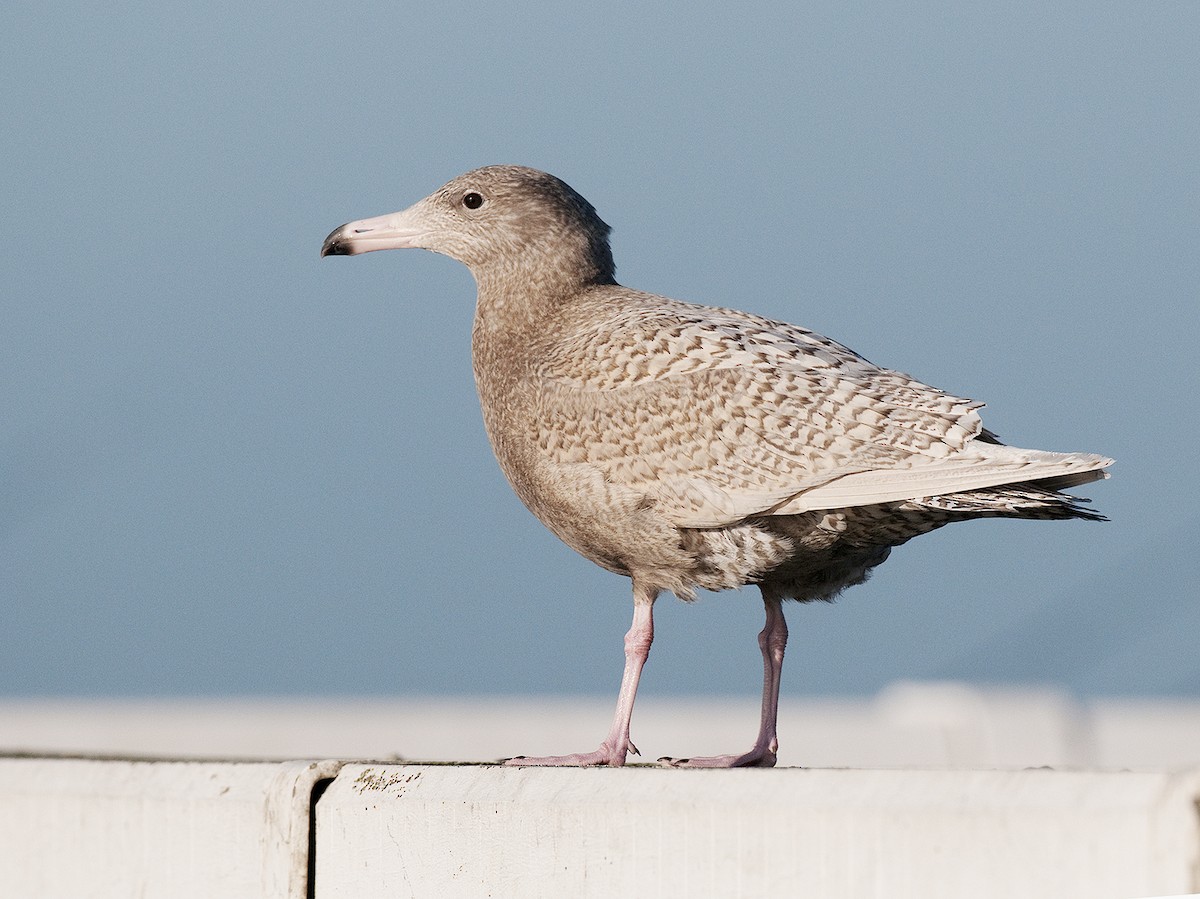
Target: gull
(692, 447)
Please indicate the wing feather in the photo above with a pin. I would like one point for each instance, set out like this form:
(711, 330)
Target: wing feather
(717, 415)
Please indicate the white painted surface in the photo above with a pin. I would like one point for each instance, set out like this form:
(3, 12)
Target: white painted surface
(82, 828)
(88, 829)
(485, 831)
(915, 724)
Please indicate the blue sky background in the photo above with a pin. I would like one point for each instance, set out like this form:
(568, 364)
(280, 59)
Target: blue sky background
(229, 466)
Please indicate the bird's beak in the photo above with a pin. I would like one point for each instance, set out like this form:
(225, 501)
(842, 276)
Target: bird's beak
(396, 231)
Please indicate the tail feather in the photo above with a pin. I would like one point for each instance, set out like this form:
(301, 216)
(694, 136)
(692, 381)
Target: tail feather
(1038, 499)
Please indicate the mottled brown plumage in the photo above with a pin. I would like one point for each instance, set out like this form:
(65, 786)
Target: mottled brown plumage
(693, 447)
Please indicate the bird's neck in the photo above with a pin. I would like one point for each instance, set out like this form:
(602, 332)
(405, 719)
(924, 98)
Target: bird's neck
(527, 278)
(539, 274)
(521, 299)
(508, 324)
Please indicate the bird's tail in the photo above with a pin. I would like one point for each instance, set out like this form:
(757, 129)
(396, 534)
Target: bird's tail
(1037, 499)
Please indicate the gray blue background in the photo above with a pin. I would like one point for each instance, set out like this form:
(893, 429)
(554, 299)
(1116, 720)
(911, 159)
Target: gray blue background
(230, 467)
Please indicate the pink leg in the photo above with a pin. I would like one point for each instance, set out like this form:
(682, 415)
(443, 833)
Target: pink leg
(772, 641)
(637, 647)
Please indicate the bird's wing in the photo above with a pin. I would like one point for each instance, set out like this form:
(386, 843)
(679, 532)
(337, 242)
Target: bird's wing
(716, 415)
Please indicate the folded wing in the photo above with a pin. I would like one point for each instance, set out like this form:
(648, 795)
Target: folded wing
(716, 418)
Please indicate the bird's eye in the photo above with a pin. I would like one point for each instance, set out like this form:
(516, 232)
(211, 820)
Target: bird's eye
(472, 200)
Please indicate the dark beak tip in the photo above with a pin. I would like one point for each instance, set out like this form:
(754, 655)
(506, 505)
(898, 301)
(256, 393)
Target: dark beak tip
(335, 245)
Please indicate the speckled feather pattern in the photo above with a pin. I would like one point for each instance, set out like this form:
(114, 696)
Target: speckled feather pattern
(709, 408)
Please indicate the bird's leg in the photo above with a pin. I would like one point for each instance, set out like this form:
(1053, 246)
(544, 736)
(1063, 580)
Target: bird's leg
(637, 647)
(772, 641)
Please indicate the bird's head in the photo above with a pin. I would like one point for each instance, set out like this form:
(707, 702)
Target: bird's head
(499, 221)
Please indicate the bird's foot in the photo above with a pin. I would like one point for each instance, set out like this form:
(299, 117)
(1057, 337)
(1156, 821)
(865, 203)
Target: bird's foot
(755, 758)
(605, 755)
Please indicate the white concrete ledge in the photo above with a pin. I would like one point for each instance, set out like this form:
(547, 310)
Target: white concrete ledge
(77, 828)
(462, 831)
(92, 828)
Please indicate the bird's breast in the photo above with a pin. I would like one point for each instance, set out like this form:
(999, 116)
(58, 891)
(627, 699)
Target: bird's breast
(612, 525)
